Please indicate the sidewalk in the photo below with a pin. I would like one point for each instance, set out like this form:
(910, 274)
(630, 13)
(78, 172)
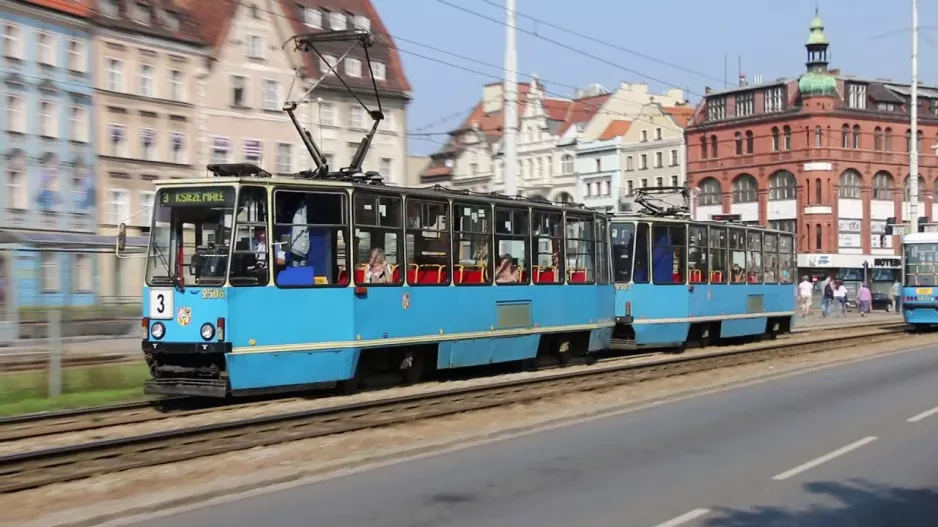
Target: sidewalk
(814, 320)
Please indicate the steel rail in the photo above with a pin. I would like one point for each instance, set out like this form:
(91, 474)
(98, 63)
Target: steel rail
(72, 462)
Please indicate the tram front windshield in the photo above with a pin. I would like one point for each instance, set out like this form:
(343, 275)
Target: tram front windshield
(190, 236)
(623, 236)
(921, 264)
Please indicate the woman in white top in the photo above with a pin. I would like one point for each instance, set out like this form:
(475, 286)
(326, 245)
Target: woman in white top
(378, 270)
(840, 295)
(805, 291)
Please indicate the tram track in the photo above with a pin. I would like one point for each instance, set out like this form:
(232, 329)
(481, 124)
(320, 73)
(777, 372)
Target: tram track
(71, 462)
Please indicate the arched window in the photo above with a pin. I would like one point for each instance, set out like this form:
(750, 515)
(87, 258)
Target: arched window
(850, 182)
(908, 140)
(920, 141)
(818, 136)
(749, 141)
(817, 191)
(887, 140)
(703, 147)
(908, 188)
(775, 139)
(818, 237)
(744, 189)
(856, 136)
(567, 164)
(787, 131)
(877, 138)
(713, 146)
(710, 192)
(739, 144)
(883, 185)
(782, 185)
(844, 136)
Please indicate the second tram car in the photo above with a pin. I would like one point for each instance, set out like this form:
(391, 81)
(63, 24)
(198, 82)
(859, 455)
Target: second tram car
(920, 284)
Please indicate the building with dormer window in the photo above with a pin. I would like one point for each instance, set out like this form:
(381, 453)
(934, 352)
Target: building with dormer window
(825, 155)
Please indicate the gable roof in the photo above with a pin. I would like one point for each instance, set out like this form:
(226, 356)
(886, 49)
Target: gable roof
(681, 115)
(215, 18)
(188, 31)
(582, 111)
(615, 129)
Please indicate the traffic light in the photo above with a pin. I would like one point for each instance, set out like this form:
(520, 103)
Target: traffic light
(889, 223)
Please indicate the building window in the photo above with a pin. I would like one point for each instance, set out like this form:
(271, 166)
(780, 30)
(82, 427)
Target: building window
(175, 85)
(118, 205)
(146, 203)
(50, 271)
(818, 136)
(674, 158)
(253, 151)
(674, 181)
(16, 117)
(657, 134)
(887, 140)
(920, 139)
(284, 158)
(363, 22)
(566, 164)
(629, 186)
(597, 165)
(271, 95)
(141, 13)
(148, 144)
(817, 191)
(177, 148)
(739, 143)
(644, 182)
(47, 119)
(629, 165)
(327, 114)
(782, 186)
(703, 148)
(356, 118)
(45, 50)
(845, 136)
(386, 168)
(238, 91)
(713, 146)
(171, 21)
(920, 192)
(774, 100)
(716, 109)
(883, 185)
(312, 17)
(745, 104)
(78, 125)
(220, 147)
(775, 139)
(818, 237)
(658, 160)
(146, 80)
(16, 185)
(326, 63)
(379, 70)
(76, 55)
(255, 47)
(744, 189)
(856, 96)
(337, 21)
(710, 192)
(787, 132)
(644, 135)
(643, 162)
(783, 225)
(856, 136)
(886, 107)
(749, 142)
(660, 181)
(353, 67)
(850, 182)
(115, 75)
(117, 140)
(12, 43)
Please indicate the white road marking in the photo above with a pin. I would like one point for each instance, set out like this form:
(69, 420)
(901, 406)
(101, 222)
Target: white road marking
(684, 518)
(823, 459)
(923, 415)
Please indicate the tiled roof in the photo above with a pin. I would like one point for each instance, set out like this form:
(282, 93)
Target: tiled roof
(188, 25)
(681, 115)
(79, 8)
(384, 51)
(582, 111)
(615, 129)
(214, 16)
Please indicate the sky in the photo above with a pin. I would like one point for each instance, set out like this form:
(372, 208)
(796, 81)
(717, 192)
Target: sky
(680, 44)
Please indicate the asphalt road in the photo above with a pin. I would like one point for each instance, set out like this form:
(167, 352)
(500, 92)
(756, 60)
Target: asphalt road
(853, 445)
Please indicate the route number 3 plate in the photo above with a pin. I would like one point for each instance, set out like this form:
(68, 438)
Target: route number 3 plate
(161, 304)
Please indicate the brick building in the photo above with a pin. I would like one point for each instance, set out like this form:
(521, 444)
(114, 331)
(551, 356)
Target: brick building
(825, 155)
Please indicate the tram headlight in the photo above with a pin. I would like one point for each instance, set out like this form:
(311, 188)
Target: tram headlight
(207, 331)
(158, 330)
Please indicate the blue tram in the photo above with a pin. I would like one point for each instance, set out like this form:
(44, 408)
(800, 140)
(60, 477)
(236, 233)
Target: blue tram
(920, 285)
(680, 281)
(263, 284)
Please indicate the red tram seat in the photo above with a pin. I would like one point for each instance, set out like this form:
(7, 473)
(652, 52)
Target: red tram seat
(469, 274)
(396, 274)
(431, 274)
(546, 275)
(360, 273)
(412, 273)
(524, 275)
(677, 278)
(716, 277)
(578, 275)
(343, 276)
(696, 276)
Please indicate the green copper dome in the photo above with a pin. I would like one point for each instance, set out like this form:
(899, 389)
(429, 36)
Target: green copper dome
(815, 83)
(817, 35)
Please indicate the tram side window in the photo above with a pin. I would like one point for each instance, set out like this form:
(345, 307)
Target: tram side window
(581, 247)
(548, 237)
(738, 256)
(754, 243)
(786, 256)
(668, 259)
(641, 273)
(472, 236)
(253, 256)
(718, 267)
(513, 243)
(427, 242)
(697, 254)
(623, 243)
(770, 255)
(378, 239)
(602, 250)
(312, 227)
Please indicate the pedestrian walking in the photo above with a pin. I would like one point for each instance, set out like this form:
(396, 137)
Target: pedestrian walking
(827, 296)
(805, 291)
(864, 300)
(897, 296)
(840, 294)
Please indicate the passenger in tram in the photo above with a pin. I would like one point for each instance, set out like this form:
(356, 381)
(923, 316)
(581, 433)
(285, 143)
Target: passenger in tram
(379, 270)
(739, 276)
(507, 272)
(259, 247)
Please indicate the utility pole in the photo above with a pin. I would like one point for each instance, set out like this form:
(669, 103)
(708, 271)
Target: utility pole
(511, 102)
(913, 147)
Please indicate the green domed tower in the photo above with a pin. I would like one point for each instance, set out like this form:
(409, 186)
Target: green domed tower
(818, 79)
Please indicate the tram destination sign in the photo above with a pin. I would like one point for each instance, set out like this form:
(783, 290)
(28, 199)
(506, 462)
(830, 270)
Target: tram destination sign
(197, 197)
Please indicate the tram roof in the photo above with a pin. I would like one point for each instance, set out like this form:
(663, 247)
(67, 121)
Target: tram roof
(920, 237)
(436, 192)
(672, 219)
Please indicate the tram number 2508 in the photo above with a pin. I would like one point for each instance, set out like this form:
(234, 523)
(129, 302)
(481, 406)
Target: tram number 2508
(213, 294)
